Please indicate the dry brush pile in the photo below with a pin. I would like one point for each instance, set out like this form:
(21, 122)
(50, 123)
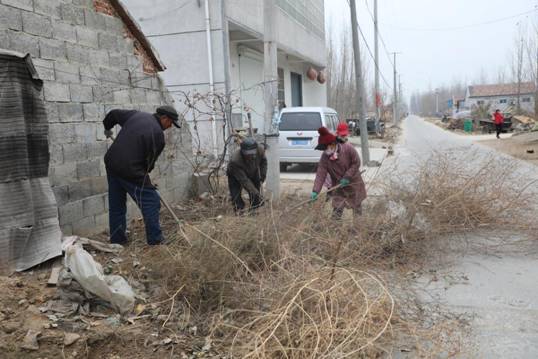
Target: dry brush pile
(291, 283)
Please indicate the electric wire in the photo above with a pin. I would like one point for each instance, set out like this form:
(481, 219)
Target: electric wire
(387, 52)
(452, 28)
(371, 54)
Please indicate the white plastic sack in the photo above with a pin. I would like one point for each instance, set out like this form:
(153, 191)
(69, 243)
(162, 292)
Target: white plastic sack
(89, 274)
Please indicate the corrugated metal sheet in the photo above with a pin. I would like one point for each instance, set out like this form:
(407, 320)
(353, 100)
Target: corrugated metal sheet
(29, 229)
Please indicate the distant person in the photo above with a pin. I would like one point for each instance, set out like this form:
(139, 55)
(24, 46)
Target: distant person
(498, 119)
(128, 162)
(247, 170)
(342, 132)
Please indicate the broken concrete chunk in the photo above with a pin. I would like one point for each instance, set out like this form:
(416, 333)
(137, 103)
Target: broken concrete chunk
(30, 340)
(70, 338)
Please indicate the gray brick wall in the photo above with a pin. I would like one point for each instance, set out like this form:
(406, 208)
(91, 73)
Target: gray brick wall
(88, 67)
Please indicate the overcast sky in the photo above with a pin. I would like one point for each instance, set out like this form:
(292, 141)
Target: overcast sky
(431, 57)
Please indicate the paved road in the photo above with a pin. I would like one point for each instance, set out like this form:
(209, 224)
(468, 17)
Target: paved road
(495, 285)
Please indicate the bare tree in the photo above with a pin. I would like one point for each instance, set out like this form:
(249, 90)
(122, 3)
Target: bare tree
(342, 92)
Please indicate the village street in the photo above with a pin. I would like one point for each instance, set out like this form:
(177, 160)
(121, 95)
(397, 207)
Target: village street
(491, 275)
(487, 278)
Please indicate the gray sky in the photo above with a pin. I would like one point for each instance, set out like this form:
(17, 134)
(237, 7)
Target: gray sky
(432, 58)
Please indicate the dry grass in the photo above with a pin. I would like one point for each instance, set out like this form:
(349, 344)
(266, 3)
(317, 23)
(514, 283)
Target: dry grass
(294, 284)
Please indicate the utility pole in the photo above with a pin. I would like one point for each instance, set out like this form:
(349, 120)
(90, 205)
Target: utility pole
(377, 95)
(359, 83)
(395, 117)
(271, 99)
(400, 93)
(536, 75)
(436, 101)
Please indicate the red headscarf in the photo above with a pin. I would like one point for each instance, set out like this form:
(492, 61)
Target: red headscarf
(342, 129)
(325, 136)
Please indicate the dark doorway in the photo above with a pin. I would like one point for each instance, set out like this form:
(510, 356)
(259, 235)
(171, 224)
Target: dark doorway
(296, 90)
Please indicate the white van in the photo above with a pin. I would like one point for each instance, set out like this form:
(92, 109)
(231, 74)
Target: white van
(299, 133)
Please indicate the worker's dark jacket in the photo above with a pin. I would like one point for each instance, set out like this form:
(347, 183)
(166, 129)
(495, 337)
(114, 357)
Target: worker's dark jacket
(134, 152)
(248, 171)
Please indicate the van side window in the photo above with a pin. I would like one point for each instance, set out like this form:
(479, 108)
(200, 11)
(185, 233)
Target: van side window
(329, 122)
(335, 121)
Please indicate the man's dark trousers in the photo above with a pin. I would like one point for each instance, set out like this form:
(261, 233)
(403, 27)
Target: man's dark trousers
(235, 192)
(147, 200)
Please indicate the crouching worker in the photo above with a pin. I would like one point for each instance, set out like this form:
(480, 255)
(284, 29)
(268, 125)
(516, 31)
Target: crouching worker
(247, 170)
(341, 162)
(128, 161)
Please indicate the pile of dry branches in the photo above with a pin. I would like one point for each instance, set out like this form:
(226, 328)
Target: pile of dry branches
(295, 284)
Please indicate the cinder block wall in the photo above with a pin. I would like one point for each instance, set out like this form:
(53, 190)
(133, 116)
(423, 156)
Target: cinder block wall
(90, 64)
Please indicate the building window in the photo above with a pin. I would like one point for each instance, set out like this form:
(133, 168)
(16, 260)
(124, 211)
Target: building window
(503, 100)
(281, 92)
(526, 99)
(480, 102)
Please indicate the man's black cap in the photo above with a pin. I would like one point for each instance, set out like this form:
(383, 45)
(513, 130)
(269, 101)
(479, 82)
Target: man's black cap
(249, 146)
(170, 112)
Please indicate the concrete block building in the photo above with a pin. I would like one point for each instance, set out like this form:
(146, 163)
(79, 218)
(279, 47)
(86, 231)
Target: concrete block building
(178, 30)
(501, 96)
(92, 57)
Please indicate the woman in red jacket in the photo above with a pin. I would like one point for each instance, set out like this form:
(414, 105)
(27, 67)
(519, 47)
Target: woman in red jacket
(498, 119)
(341, 162)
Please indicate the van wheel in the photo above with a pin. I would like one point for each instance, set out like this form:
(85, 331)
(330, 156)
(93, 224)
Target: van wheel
(283, 167)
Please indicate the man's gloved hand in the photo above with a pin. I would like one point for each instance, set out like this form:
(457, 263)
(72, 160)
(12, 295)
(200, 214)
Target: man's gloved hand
(344, 182)
(314, 196)
(254, 192)
(109, 133)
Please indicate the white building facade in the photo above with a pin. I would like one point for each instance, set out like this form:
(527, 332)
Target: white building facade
(501, 96)
(178, 30)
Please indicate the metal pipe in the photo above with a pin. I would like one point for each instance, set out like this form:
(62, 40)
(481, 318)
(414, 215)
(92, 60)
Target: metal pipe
(211, 80)
(377, 95)
(227, 75)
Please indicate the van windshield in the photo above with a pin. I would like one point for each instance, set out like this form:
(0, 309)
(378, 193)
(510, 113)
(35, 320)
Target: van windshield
(300, 121)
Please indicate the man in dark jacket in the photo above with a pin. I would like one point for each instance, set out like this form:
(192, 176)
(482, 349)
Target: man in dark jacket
(128, 161)
(247, 169)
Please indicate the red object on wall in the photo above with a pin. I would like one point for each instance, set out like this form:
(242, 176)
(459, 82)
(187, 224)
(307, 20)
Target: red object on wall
(311, 73)
(378, 100)
(322, 78)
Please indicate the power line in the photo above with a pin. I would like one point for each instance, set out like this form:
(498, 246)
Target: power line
(451, 28)
(371, 54)
(168, 12)
(387, 52)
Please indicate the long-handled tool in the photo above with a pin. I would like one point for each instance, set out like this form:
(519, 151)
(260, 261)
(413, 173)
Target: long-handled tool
(163, 201)
(310, 201)
(168, 208)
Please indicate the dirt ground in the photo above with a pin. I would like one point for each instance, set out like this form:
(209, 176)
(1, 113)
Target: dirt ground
(157, 327)
(27, 304)
(523, 146)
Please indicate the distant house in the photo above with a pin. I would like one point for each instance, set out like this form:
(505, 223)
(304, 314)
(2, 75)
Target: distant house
(501, 96)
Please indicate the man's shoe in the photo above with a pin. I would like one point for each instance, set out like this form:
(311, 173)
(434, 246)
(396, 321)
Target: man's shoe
(162, 242)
